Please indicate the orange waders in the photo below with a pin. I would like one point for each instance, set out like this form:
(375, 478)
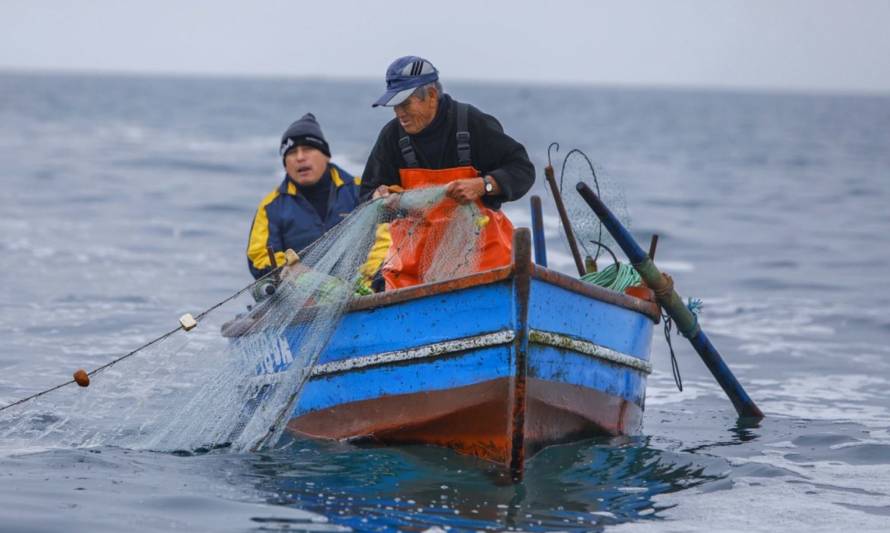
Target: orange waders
(409, 255)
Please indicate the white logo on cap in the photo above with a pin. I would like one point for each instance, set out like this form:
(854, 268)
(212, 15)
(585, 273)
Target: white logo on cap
(286, 146)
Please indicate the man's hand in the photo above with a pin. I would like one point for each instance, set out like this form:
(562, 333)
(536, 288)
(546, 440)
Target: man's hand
(466, 190)
(392, 193)
(380, 192)
(385, 190)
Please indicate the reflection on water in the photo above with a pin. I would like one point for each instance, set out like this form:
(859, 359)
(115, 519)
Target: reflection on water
(743, 431)
(579, 486)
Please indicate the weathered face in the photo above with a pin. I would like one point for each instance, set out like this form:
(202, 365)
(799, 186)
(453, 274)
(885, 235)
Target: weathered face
(306, 165)
(415, 114)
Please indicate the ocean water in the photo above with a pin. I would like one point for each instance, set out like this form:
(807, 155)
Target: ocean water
(126, 201)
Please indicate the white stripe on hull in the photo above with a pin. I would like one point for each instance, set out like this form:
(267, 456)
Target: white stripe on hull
(420, 352)
(556, 340)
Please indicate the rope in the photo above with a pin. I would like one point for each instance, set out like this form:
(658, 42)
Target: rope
(675, 367)
(694, 305)
(198, 318)
(147, 344)
(617, 276)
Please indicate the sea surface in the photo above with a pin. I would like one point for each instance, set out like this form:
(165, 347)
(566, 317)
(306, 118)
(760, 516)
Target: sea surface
(126, 201)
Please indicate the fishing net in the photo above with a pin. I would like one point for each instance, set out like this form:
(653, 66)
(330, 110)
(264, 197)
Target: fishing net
(202, 389)
(588, 230)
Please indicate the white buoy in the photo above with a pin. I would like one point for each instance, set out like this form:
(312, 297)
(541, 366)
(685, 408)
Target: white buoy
(188, 322)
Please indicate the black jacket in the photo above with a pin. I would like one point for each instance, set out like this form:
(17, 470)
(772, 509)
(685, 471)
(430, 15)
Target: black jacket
(492, 151)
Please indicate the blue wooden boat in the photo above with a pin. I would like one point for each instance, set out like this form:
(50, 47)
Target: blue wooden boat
(497, 364)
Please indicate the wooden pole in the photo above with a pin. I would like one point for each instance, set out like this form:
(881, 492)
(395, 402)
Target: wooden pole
(564, 218)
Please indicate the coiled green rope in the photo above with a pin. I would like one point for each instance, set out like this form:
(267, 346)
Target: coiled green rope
(614, 277)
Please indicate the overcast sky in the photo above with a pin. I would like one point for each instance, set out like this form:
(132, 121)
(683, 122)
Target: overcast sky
(822, 45)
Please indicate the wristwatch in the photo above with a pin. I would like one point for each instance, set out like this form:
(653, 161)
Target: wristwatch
(489, 186)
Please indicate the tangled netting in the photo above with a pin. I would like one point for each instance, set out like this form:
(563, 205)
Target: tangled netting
(206, 389)
(588, 230)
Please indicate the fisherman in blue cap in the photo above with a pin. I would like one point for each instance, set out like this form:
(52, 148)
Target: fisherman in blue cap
(436, 141)
(313, 197)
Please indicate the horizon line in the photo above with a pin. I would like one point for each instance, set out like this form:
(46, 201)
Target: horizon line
(630, 86)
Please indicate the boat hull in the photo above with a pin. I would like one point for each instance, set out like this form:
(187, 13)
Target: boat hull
(474, 419)
(496, 365)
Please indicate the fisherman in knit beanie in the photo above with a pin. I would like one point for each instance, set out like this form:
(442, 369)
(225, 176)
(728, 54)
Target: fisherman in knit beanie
(313, 197)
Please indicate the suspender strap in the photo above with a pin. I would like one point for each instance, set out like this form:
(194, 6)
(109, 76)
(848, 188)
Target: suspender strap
(463, 141)
(463, 136)
(407, 150)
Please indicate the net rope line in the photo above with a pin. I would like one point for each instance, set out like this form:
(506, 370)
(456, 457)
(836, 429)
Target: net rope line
(166, 335)
(236, 390)
(156, 340)
(415, 209)
(410, 206)
(211, 411)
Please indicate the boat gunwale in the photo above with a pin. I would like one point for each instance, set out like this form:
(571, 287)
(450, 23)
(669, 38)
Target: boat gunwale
(620, 299)
(243, 325)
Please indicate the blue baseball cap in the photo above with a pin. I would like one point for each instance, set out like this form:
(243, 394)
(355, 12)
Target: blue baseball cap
(403, 76)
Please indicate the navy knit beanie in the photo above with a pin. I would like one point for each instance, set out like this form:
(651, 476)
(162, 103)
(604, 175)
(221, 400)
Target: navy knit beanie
(304, 132)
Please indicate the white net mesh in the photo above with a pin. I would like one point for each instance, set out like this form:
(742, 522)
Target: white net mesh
(587, 228)
(201, 389)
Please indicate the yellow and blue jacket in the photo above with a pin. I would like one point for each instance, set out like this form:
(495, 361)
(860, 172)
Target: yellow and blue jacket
(285, 219)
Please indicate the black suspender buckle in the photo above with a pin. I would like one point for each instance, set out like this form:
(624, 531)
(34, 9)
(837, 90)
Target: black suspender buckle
(407, 152)
(464, 158)
(463, 148)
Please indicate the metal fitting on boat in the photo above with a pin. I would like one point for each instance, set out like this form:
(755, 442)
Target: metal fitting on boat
(263, 290)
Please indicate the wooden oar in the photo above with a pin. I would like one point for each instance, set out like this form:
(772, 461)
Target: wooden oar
(686, 322)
